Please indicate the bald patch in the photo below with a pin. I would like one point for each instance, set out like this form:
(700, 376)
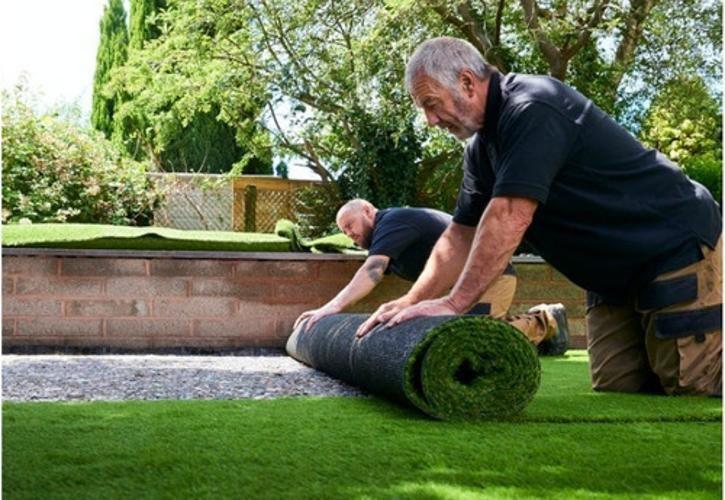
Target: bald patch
(353, 206)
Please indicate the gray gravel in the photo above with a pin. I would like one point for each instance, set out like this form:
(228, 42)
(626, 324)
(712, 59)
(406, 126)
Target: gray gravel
(121, 377)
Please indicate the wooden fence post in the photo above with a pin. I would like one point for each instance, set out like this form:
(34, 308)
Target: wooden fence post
(250, 209)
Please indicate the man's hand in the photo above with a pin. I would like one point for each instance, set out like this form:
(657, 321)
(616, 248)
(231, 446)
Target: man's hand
(383, 314)
(434, 307)
(314, 315)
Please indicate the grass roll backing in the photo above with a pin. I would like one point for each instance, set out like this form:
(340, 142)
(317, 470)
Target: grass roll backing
(450, 367)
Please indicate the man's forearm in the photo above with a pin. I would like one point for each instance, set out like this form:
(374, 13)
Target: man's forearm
(365, 280)
(444, 264)
(498, 234)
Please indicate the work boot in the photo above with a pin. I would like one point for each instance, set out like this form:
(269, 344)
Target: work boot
(557, 344)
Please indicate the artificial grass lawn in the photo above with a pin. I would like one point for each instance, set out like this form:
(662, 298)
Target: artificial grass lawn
(103, 236)
(570, 442)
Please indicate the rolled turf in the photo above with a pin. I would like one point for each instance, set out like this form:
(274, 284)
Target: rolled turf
(450, 367)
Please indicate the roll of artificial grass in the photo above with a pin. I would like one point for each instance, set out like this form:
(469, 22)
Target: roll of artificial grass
(450, 367)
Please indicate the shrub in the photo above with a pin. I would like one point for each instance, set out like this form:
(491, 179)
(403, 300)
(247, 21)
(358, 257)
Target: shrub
(707, 170)
(55, 171)
(316, 207)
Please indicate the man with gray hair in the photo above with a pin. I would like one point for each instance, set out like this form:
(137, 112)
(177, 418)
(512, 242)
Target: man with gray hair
(545, 164)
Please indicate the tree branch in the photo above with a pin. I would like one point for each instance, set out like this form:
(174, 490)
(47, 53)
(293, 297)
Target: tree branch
(552, 54)
(585, 32)
(639, 10)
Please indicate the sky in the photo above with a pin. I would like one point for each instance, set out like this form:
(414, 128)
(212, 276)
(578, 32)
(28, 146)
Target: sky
(51, 44)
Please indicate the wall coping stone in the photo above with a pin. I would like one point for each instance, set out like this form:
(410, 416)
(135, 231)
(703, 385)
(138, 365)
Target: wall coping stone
(196, 254)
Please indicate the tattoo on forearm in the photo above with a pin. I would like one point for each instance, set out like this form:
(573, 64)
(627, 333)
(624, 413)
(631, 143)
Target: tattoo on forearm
(375, 270)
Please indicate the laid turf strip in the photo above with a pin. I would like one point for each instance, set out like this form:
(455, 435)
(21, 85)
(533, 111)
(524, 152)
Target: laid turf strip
(450, 367)
(341, 448)
(101, 236)
(569, 443)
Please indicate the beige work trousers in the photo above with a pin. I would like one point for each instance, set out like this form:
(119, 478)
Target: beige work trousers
(668, 338)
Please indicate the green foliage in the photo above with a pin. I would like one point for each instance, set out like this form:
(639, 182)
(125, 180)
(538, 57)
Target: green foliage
(172, 114)
(112, 53)
(685, 123)
(323, 81)
(707, 170)
(316, 207)
(142, 25)
(54, 171)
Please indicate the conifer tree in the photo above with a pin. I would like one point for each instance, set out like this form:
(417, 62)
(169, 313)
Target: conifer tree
(141, 29)
(112, 52)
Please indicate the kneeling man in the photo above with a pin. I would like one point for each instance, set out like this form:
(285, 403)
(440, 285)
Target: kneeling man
(400, 240)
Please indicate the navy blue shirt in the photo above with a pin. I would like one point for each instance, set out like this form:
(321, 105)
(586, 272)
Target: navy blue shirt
(407, 236)
(612, 214)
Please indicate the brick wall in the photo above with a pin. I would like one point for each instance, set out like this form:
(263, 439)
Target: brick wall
(126, 302)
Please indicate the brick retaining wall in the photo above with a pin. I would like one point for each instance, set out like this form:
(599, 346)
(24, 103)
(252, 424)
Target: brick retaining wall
(131, 300)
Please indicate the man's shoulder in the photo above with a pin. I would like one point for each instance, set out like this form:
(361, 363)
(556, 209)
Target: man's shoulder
(412, 215)
(519, 89)
(415, 217)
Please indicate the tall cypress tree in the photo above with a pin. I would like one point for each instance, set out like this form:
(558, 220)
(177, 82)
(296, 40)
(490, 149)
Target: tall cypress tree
(112, 52)
(141, 30)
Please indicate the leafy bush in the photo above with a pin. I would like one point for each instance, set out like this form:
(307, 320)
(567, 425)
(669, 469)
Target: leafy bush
(55, 171)
(707, 170)
(316, 207)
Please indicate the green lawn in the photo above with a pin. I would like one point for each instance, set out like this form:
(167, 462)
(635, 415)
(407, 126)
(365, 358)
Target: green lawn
(103, 236)
(569, 443)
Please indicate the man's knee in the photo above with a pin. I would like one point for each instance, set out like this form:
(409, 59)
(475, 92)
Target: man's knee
(634, 382)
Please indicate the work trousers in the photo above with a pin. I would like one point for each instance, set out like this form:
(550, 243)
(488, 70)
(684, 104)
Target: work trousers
(667, 338)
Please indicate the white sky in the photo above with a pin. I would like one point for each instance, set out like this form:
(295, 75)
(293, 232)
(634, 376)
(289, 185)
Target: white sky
(52, 44)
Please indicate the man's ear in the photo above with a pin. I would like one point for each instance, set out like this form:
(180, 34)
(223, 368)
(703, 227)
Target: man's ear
(467, 81)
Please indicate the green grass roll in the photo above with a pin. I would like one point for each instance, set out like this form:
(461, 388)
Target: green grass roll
(450, 367)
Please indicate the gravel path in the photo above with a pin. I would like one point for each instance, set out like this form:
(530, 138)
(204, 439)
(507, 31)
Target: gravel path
(118, 377)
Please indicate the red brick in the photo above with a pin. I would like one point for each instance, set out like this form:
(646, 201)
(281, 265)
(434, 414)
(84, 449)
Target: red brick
(187, 267)
(276, 268)
(252, 310)
(338, 270)
(14, 306)
(8, 327)
(303, 293)
(57, 327)
(195, 307)
(149, 286)
(106, 308)
(232, 327)
(52, 285)
(30, 265)
(102, 267)
(147, 327)
(8, 285)
(245, 290)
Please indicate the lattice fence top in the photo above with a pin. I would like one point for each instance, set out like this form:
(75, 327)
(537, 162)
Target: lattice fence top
(218, 202)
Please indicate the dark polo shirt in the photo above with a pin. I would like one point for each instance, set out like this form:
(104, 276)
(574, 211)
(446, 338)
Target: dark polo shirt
(612, 214)
(407, 236)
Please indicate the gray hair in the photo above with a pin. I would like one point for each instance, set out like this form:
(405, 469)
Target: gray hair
(443, 59)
